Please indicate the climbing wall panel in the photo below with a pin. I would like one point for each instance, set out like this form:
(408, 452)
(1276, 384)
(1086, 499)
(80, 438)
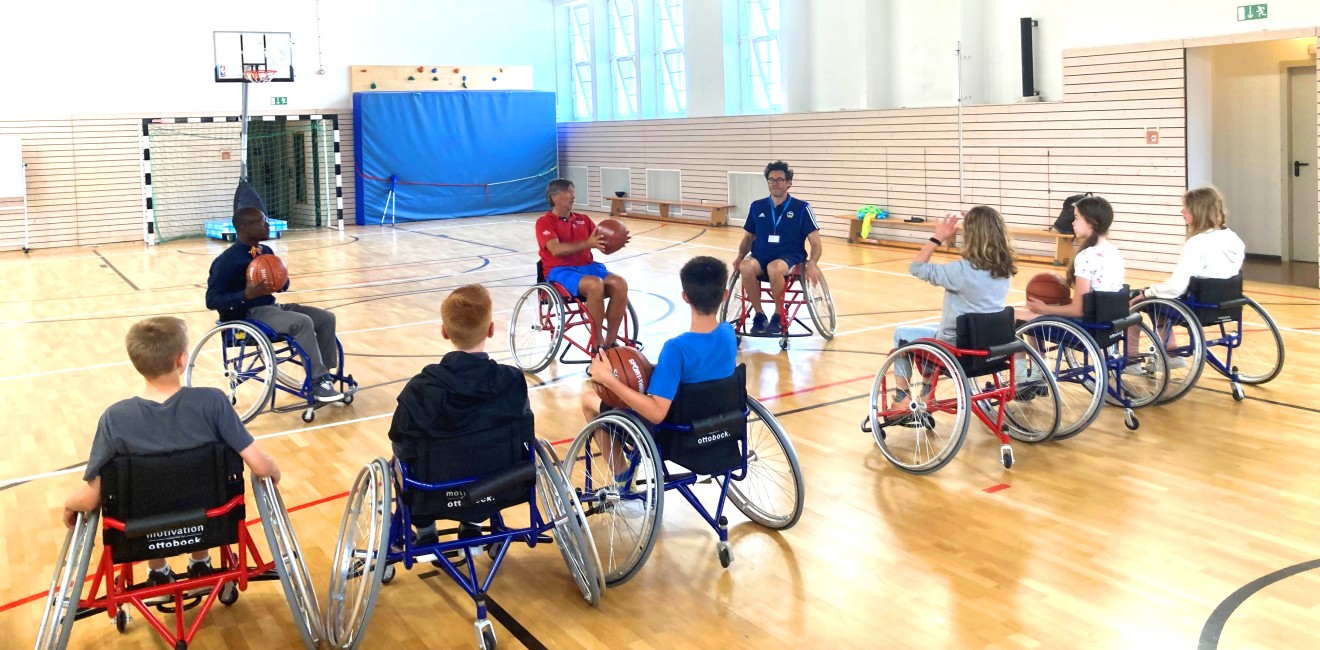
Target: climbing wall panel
(440, 77)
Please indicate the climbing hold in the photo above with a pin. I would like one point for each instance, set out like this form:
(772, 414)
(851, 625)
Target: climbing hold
(412, 78)
(501, 69)
(465, 84)
(455, 70)
(419, 68)
(492, 78)
(435, 78)
(464, 76)
(432, 70)
(373, 86)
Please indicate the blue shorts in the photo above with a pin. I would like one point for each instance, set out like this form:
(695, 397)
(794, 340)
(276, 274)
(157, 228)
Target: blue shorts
(792, 260)
(569, 276)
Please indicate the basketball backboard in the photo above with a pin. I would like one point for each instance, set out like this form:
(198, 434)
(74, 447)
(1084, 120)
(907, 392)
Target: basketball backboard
(237, 51)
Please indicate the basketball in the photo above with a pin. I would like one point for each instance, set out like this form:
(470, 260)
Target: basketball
(630, 367)
(1049, 288)
(613, 234)
(268, 267)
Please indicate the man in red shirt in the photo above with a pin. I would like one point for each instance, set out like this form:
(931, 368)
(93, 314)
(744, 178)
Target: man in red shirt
(566, 239)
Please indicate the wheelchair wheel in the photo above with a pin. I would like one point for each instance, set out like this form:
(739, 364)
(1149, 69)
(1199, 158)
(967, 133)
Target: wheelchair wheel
(632, 326)
(623, 505)
(1075, 362)
(1183, 338)
(290, 563)
(736, 304)
(1259, 357)
(821, 306)
(1033, 414)
(1145, 372)
(919, 429)
(536, 328)
(359, 559)
(237, 359)
(572, 534)
(773, 491)
(67, 585)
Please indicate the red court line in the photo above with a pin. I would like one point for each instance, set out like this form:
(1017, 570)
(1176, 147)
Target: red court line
(996, 488)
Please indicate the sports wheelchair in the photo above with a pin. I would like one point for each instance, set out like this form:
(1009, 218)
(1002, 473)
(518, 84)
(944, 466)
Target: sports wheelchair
(1082, 354)
(737, 309)
(240, 357)
(921, 427)
(372, 539)
(545, 317)
(1211, 315)
(619, 471)
(159, 506)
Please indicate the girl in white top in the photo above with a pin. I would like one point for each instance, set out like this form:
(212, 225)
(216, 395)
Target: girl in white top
(1097, 266)
(1211, 251)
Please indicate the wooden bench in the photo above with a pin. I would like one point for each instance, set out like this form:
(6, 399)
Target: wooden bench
(1063, 243)
(719, 212)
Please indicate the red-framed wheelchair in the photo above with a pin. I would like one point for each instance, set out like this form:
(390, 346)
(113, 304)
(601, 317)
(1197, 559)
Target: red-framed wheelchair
(920, 427)
(798, 293)
(162, 505)
(547, 320)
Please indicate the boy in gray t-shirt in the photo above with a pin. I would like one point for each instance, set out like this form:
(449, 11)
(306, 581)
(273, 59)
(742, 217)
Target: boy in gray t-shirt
(165, 417)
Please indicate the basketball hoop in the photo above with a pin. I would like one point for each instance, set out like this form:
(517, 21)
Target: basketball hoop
(258, 76)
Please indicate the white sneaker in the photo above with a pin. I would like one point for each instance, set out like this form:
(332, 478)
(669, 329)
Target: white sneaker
(1135, 369)
(324, 391)
(1177, 363)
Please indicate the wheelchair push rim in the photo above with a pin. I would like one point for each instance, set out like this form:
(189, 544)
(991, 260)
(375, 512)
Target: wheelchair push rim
(734, 308)
(237, 359)
(290, 564)
(929, 434)
(624, 520)
(572, 535)
(1075, 362)
(820, 304)
(359, 563)
(1033, 414)
(772, 491)
(536, 328)
(1180, 333)
(66, 586)
(1145, 387)
(1258, 357)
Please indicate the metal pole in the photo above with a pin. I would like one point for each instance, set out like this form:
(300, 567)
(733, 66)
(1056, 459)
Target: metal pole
(243, 148)
(958, 53)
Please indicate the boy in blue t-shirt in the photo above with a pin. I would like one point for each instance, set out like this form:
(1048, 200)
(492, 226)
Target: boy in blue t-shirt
(708, 351)
(778, 228)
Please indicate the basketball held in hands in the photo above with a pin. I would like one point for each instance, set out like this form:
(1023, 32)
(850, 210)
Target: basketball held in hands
(633, 369)
(613, 234)
(1049, 288)
(269, 268)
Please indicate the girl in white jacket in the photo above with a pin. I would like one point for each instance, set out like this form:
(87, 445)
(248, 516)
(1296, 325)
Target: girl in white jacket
(1211, 251)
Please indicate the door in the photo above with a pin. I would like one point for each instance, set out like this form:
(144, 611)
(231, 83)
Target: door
(1301, 171)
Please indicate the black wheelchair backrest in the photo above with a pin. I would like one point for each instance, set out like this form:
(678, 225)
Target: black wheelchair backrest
(706, 428)
(476, 454)
(162, 500)
(991, 331)
(540, 272)
(1225, 294)
(1107, 316)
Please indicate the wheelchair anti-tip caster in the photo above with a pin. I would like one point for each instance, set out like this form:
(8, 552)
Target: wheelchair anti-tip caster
(1130, 420)
(1006, 456)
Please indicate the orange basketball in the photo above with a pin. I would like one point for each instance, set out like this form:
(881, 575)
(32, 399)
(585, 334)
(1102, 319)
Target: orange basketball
(631, 367)
(613, 234)
(1049, 288)
(268, 267)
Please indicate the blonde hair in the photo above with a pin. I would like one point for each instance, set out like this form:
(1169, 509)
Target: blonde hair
(466, 315)
(155, 343)
(1207, 207)
(988, 247)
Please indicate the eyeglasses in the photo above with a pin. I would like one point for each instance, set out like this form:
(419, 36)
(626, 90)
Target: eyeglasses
(776, 181)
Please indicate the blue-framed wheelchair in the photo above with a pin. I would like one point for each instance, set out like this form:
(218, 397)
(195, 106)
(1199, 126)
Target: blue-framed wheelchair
(242, 358)
(162, 505)
(376, 533)
(1211, 319)
(544, 320)
(920, 428)
(1107, 355)
(620, 469)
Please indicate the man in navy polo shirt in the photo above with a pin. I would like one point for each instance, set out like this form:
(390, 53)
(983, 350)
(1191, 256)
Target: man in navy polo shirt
(778, 228)
(566, 239)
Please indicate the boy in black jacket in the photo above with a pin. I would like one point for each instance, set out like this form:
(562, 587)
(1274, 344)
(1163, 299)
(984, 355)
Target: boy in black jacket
(462, 417)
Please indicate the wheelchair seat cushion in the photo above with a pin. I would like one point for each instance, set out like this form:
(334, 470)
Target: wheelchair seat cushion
(984, 332)
(1225, 293)
(162, 500)
(706, 429)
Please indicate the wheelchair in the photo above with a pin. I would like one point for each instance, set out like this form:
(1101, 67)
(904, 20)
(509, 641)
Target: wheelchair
(737, 309)
(1214, 313)
(1095, 359)
(545, 318)
(376, 532)
(155, 506)
(240, 357)
(715, 432)
(1016, 399)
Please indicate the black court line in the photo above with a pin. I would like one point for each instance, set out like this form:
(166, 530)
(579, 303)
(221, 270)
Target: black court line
(1214, 626)
(117, 272)
(465, 241)
(1262, 399)
(519, 632)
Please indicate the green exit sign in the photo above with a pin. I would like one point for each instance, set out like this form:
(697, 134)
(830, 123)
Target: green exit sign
(279, 101)
(1253, 12)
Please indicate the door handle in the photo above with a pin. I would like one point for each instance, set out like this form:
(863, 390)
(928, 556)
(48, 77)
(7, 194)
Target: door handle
(1297, 167)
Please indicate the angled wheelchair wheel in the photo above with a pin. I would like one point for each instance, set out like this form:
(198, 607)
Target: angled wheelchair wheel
(1259, 357)
(359, 560)
(1033, 414)
(821, 306)
(560, 507)
(632, 328)
(734, 306)
(536, 328)
(236, 358)
(67, 585)
(1145, 371)
(1072, 358)
(772, 491)
(614, 470)
(921, 428)
(290, 564)
(1180, 332)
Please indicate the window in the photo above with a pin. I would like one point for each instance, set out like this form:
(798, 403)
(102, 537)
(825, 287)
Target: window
(579, 58)
(623, 57)
(758, 40)
(670, 64)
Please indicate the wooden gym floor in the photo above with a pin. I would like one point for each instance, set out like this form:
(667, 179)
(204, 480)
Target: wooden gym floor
(1113, 539)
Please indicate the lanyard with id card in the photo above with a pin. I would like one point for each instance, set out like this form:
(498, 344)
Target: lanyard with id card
(775, 218)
